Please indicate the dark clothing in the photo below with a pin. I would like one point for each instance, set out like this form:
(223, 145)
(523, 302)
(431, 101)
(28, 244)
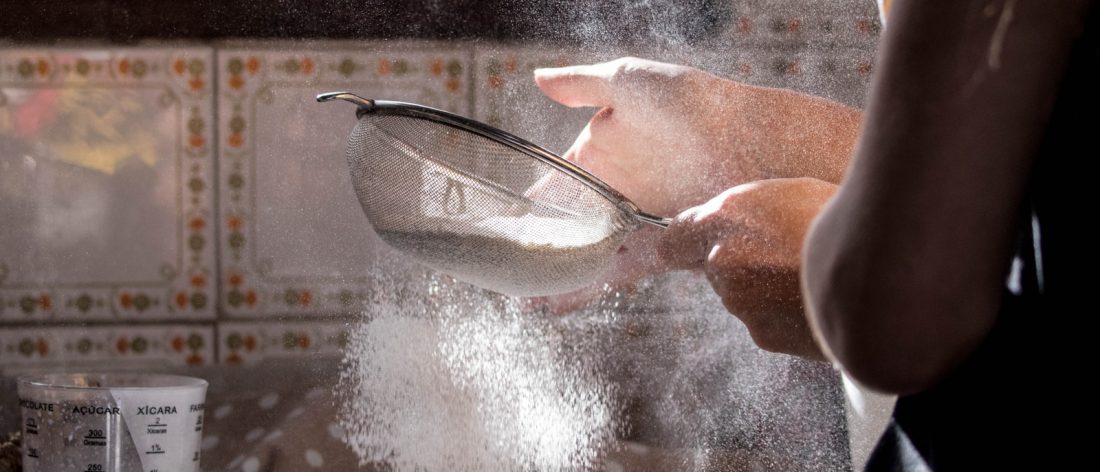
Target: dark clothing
(1019, 402)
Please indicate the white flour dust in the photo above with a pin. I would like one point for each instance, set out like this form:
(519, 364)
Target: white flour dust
(444, 377)
(461, 380)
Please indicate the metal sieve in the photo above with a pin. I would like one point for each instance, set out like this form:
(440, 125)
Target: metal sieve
(480, 204)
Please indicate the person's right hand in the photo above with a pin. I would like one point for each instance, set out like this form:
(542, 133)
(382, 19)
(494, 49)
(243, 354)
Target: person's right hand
(748, 241)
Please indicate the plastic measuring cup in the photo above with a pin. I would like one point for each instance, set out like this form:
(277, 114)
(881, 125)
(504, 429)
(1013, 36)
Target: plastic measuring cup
(111, 422)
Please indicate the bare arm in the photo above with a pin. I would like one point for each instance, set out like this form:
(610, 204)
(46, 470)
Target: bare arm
(904, 270)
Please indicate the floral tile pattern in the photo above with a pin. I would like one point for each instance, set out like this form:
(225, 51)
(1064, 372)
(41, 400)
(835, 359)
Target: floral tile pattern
(294, 240)
(841, 74)
(106, 184)
(246, 342)
(507, 97)
(100, 346)
(799, 24)
(108, 189)
(824, 49)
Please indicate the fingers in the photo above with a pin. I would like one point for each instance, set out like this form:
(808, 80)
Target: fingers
(686, 243)
(615, 83)
(578, 86)
(766, 298)
(695, 232)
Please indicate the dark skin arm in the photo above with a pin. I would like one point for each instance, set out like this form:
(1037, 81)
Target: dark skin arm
(903, 271)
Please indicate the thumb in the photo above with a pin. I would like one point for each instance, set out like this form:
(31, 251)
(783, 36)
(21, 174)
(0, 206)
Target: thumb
(685, 244)
(578, 86)
(691, 236)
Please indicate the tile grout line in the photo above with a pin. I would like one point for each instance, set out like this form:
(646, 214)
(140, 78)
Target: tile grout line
(215, 157)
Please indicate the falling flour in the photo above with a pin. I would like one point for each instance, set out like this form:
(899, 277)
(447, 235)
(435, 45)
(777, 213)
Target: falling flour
(443, 376)
(463, 381)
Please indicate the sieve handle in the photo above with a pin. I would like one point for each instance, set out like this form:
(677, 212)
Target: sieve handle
(363, 102)
(653, 219)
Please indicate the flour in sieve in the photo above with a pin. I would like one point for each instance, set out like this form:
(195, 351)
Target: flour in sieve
(520, 256)
(541, 231)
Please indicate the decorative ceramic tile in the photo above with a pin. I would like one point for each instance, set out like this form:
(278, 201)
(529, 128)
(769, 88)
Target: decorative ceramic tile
(798, 23)
(508, 98)
(860, 28)
(294, 239)
(107, 346)
(246, 342)
(106, 173)
(841, 74)
(838, 74)
(770, 69)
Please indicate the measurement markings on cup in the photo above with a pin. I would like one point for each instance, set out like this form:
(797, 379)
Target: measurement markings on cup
(32, 426)
(155, 449)
(198, 408)
(95, 437)
(157, 427)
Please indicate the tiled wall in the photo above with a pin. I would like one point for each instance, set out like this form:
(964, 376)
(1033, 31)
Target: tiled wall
(190, 204)
(107, 207)
(294, 241)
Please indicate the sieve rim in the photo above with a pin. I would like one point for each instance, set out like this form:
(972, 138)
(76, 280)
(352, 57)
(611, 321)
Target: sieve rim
(398, 108)
(389, 107)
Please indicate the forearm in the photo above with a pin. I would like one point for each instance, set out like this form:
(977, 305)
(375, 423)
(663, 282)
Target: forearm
(897, 304)
(797, 135)
(904, 270)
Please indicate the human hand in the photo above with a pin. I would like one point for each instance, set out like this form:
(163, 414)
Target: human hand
(670, 137)
(748, 241)
(649, 141)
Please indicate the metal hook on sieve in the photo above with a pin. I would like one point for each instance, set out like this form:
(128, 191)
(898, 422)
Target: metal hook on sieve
(455, 197)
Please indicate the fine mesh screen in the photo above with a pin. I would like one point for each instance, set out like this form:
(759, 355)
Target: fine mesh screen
(479, 210)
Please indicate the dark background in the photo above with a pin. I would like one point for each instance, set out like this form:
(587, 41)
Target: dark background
(124, 21)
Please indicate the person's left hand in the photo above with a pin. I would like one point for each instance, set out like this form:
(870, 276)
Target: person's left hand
(748, 241)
